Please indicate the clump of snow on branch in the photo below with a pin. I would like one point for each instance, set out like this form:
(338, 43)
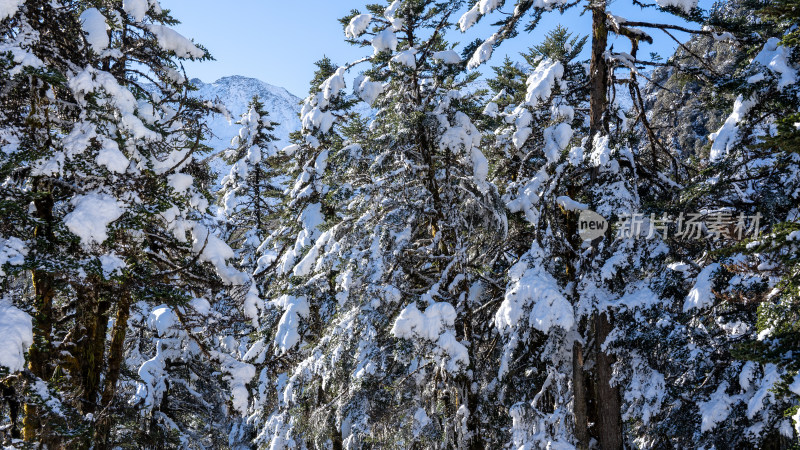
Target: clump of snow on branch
(91, 216)
(482, 53)
(447, 57)
(111, 265)
(386, 40)
(685, 5)
(367, 89)
(311, 219)
(702, 294)
(390, 15)
(541, 81)
(181, 182)
(136, 8)
(358, 25)
(725, 140)
(406, 58)
(9, 7)
(469, 18)
(111, 157)
(287, 335)
(96, 29)
(16, 336)
(776, 58)
(171, 40)
(12, 252)
(537, 294)
(556, 139)
(210, 248)
(433, 325)
(237, 374)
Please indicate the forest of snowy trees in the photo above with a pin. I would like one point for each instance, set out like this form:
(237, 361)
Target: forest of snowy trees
(587, 248)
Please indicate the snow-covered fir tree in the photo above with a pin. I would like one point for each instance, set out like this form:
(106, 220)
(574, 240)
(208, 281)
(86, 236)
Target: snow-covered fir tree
(405, 257)
(591, 298)
(743, 290)
(251, 191)
(102, 170)
(299, 299)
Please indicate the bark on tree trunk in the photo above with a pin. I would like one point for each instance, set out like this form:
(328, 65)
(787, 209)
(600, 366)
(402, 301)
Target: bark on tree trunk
(606, 398)
(470, 399)
(257, 197)
(33, 428)
(608, 405)
(579, 397)
(115, 359)
(598, 71)
(90, 343)
(10, 397)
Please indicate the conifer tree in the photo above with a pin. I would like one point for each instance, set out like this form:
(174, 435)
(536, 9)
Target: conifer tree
(533, 141)
(750, 180)
(581, 293)
(300, 299)
(251, 191)
(105, 149)
(405, 259)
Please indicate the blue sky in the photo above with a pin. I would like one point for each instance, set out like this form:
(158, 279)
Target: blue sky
(277, 41)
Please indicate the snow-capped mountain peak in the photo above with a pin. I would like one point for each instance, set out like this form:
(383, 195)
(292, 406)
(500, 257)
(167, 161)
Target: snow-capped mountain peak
(235, 92)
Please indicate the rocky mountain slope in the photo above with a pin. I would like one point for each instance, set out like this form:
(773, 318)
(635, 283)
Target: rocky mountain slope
(684, 111)
(235, 92)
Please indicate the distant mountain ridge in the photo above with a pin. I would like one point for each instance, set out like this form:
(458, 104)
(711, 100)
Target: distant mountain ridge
(235, 92)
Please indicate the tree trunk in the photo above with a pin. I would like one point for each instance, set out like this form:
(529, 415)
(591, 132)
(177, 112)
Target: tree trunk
(598, 72)
(468, 398)
(33, 428)
(115, 359)
(10, 397)
(257, 199)
(606, 398)
(579, 397)
(608, 404)
(90, 344)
